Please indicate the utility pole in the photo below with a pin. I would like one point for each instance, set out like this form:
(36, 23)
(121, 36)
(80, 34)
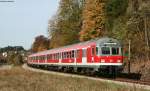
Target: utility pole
(146, 34)
(129, 56)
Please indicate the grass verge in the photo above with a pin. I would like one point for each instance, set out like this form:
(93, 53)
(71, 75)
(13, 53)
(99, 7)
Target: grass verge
(18, 79)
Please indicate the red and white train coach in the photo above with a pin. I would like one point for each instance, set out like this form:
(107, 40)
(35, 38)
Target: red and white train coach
(93, 54)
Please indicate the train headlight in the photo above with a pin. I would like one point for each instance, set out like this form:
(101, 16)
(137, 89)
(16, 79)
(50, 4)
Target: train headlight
(102, 60)
(111, 60)
(118, 61)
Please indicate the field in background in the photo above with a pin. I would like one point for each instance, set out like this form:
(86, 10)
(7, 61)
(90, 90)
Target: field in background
(18, 79)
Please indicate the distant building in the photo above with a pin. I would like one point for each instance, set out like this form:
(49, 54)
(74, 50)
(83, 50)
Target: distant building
(4, 54)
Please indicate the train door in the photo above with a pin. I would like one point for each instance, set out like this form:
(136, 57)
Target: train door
(79, 56)
(84, 56)
(88, 55)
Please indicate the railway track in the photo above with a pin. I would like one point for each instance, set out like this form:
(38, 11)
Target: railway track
(134, 81)
(117, 80)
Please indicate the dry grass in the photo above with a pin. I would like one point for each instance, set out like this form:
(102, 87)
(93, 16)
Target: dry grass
(18, 79)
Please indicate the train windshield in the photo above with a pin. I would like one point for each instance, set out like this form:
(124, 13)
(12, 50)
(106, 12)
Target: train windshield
(105, 50)
(115, 51)
(110, 50)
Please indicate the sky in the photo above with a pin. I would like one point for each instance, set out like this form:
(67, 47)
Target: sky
(22, 20)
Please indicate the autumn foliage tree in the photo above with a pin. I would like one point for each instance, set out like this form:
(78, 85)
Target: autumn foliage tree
(66, 25)
(93, 19)
(40, 43)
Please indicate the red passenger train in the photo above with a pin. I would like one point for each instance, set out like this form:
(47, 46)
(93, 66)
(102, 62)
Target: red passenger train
(96, 55)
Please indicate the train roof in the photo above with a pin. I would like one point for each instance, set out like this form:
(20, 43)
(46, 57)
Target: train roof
(81, 45)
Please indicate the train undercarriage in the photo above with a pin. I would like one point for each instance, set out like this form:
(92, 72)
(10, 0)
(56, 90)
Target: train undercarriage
(105, 71)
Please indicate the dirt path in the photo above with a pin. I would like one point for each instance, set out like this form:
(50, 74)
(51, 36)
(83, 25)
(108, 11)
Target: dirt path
(85, 77)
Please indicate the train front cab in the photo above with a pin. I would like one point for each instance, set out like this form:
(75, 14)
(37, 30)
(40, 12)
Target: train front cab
(109, 54)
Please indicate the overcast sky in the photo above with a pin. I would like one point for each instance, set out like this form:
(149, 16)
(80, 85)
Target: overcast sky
(22, 20)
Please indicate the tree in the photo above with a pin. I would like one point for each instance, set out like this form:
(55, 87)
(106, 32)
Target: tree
(18, 60)
(93, 19)
(114, 9)
(65, 27)
(40, 43)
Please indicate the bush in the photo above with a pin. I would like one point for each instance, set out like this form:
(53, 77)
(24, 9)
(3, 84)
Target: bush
(15, 59)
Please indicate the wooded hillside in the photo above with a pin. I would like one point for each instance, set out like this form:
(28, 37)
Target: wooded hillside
(81, 20)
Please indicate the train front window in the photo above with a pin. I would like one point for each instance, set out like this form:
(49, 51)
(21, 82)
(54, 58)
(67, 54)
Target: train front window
(105, 50)
(115, 51)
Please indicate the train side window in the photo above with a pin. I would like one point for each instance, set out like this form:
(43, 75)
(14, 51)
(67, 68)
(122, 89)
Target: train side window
(62, 55)
(42, 57)
(72, 54)
(57, 55)
(53, 56)
(65, 55)
(47, 56)
(50, 56)
(75, 53)
(115, 51)
(68, 54)
(37, 58)
(93, 51)
(83, 52)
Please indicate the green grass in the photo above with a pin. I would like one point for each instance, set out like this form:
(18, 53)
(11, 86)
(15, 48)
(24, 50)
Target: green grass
(18, 79)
